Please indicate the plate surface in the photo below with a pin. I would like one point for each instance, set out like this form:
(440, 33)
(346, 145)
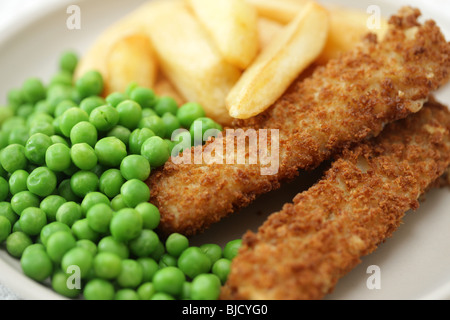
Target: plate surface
(413, 263)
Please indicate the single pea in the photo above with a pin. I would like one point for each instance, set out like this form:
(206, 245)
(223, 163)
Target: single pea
(110, 151)
(99, 289)
(23, 200)
(57, 157)
(156, 151)
(159, 251)
(88, 245)
(144, 244)
(18, 181)
(82, 231)
(104, 118)
(130, 113)
(110, 182)
(70, 118)
(68, 61)
(19, 135)
(58, 243)
(135, 167)
(7, 211)
(193, 262)
(126, 294)
(146, 291)
(4, 188)
(131, 274)
(42, 127)
(90, 84)
(63, 106)
(117, 203)
(50, 205)
(107, 265)
(149, 267)
(205, 287)
(221, 268)
(186, 291)
(4, 136)
(231, 249)
(84, 132)
(169, 280)
(166, 104)
(126, 225)
(83, 156)
(80, 258)
(32, 220)
(213, 251)
(33, 90)
(148, 113)
(99, 217)
(150, 215)
(50, 229)
(84, 182)
(65, 191)
(36, 147)
(162, 296)
(13, 122)
(92, 199)
(68, 213)
(90, 103)
(144, 96)
(13, 158)
(189, 112)
(60, 283)
(37, 265)
(167, 260)
(42, 181)
(58, 139)
(5, 228)
(17, 242)
(121, 133)
(154, 123)
(62, 77)
(38, 117)
(56, 94)
(134, 192)
(110, 244)
(171, 122)
(130, 87)
(113, 99)
(137, 138)
(202, 129)
(176, 243)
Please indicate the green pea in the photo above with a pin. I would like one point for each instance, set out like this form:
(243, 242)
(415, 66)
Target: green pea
(131, 274)
(70, 118)
(62, 77)
(63, 106)
(42, 181)
(110, 182)
(36, 147)
(37, 265)
(4, 189)
(68, 61)
(7, 211)
(45, 128)
(130, 113)
(126, 294)
(79, 257)
(111, 245)
(83, 156)
(84, 182)
(146, 291)
(58, 243)
(104, 118)
(162, 296)
(149, 267)
(113, 99)
(68, 213)
(121, 133)
(169, 280)
(135, 167)
(213, 251)
(134, 192)
(92, 199)
(23, 200)
(89, 245)
(99, 289)
(15, 97)
(150, 215)
(51, 204)
(19, 135)
(57, 157)
(17, 242)
(59, 283)
(90, 84)
(166, 104)
(65, 191)
(84, 132)
(156, 151)
(154, 123)
(18, 181)
(171, 122)
(159, 251)
(221, 268)
(202, 129)
(205, 287)
(90, 103)
(176, 243)
(82, 231)
(99, 217)
(13, 158)
(148, 113)
(167, 260)
(231, 249)
(32, 220)
(144, 96)
(110, 151)
(137, 138)
(33, 90)
(107, 265)
(194, 262)
(144, 244)
(50, 229)
(126, 225)
(190, 112)
(5, 228)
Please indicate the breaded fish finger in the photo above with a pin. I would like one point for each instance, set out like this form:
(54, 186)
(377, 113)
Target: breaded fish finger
(348, 100)
(302, 251)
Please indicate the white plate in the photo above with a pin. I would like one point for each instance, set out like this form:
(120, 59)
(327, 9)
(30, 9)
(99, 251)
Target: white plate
(413, 263)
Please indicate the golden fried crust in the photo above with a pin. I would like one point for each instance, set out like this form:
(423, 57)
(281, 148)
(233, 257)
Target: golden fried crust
(349, 100)
(303, 250)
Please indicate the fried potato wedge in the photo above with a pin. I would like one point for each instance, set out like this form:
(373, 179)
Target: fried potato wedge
(283, 11)
(280, 63)
(131, 59)
(190, 60)
(163, 87)
(233, 25)
(267, 30)
(347, 27)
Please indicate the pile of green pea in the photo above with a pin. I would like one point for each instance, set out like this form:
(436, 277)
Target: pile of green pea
(74, 205)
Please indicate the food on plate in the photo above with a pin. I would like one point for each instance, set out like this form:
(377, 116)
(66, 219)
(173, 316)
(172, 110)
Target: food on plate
(348, 100)
(232, 25)
(282, 11)
(289, 53)
(302, 251)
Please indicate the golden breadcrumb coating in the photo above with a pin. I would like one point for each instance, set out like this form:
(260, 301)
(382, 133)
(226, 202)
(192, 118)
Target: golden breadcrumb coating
(302, 251)
(350, 99)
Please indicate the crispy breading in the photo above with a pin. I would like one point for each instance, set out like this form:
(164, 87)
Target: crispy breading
(348, 100)
(302, 251)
